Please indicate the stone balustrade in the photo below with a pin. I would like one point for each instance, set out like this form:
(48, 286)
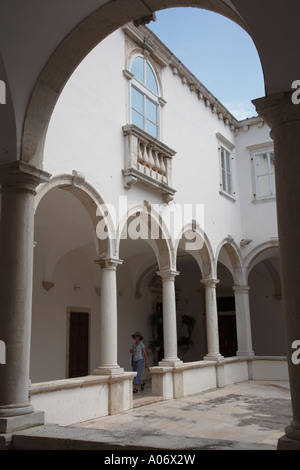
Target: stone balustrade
(148, 161)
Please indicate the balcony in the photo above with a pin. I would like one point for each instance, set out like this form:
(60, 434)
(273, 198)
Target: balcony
(148, 161)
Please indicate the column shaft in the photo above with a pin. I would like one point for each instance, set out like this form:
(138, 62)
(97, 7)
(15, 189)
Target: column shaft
(108, 318)
(169, 318)
(18, 182)
(213, 350)
(243, 322)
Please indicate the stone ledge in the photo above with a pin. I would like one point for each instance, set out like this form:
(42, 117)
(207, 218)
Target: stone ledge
(65, 384)
(79, 382)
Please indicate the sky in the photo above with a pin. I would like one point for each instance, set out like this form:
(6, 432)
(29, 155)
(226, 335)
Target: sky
(218, 52)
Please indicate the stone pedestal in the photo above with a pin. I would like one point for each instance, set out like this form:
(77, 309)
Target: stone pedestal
(18, 187)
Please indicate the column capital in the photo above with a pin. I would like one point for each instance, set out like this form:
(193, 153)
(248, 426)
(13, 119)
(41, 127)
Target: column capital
(210, 282)
(241, 289)
(108, 263)
(19, 176)
(278, 109)
(168, 275)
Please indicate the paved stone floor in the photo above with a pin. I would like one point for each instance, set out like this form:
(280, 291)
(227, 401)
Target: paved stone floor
(246, 416)
(243, 415)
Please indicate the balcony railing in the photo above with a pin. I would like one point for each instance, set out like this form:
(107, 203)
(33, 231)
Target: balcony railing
(148, 161)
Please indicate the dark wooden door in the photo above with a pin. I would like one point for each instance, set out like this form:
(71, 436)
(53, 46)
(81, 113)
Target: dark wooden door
(79, 344)
(227, 335)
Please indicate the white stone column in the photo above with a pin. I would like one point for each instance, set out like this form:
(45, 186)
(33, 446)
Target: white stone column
(243, 321)
(213, 349)
(18, 187)
(169, 318)
(283, 117)
(108, 318)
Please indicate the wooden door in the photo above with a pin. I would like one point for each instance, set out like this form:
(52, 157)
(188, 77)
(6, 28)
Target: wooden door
(79, 344)
(227, 335)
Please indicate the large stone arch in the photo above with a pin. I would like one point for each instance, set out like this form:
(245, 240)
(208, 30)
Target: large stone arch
(93, 204)
(74, 48)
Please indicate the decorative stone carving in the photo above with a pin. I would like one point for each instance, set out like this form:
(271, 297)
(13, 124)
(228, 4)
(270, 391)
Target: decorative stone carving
(78, 179)
(48, 285)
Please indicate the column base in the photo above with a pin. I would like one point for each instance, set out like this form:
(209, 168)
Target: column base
(170, 362)
(113, 370)
(286, 443)
(245, 353)
(291, 439)
(17, 423)
(213, 357)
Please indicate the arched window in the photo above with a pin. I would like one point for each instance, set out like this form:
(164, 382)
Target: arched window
(144, 97)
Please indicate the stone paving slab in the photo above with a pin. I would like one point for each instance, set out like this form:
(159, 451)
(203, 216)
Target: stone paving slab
(246, 416)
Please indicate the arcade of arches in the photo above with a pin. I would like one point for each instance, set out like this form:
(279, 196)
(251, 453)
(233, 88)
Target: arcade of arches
(35, 67)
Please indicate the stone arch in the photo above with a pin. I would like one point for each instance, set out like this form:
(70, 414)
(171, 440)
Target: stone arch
(91, 201)
(142, 221)
(260, 253)
(75, 47)
(192, 239)
(232, 259)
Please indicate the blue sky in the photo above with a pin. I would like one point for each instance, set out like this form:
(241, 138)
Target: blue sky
(218, 52)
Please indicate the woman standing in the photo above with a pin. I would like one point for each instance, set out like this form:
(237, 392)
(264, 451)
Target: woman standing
(139, 353)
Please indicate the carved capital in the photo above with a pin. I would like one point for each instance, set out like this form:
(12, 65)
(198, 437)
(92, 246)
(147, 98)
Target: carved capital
(210, 283)
(19, 176)
(168, 275)
(277, 110)
(241, 289)
(108, 263)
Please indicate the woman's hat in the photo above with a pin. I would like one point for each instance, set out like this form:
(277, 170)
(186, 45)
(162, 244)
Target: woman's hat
(138, 333)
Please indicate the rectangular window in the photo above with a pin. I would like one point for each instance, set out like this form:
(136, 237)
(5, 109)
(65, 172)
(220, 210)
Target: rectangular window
(226, 171)
(264, 172)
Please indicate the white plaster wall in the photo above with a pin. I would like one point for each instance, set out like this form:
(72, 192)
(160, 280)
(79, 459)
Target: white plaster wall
(258, 218)
(85, 132)
(190, 128)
